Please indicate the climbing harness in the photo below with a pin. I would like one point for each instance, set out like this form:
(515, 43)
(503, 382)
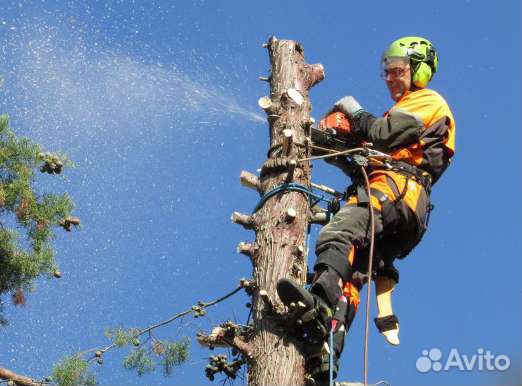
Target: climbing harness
(361, 157)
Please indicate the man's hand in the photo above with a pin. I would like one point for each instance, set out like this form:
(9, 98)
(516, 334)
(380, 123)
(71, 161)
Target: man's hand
(349, 106)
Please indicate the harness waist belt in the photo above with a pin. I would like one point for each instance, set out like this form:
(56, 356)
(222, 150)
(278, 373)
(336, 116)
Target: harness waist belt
(423, 177)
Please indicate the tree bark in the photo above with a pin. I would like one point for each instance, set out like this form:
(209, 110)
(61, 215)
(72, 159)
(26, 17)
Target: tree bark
(282, 222)
(17, 379)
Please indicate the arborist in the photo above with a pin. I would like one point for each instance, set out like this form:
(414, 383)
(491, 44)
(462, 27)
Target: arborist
(418, 132)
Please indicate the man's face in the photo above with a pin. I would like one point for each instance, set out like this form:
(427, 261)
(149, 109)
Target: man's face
(397, 74)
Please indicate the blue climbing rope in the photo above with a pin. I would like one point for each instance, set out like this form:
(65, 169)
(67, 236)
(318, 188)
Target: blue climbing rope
(291, 186)
(330, 343)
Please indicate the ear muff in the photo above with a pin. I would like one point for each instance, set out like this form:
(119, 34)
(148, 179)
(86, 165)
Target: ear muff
(422, 74)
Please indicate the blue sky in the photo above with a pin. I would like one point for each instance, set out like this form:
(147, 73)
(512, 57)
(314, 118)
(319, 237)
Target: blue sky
(156, 103)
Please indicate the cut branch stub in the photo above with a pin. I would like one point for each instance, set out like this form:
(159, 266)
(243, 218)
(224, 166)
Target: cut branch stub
(317, 74)
(291, 169)
(250, 180)
(220, 337)
(319, 218)
(311, 75)
(307, 125)
(326, 189)
(295, 95)
(277, 165)
(247, 285)
(270, 308)
(248, 249)
(288, 136)
(244, 220)
(265, 103)
(272, 117)
(299, 251)
(291, 214)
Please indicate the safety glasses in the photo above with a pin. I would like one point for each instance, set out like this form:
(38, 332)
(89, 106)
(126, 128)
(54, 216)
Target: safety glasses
(394, 67)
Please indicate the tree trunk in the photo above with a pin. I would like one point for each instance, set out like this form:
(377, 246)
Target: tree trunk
(282, 222)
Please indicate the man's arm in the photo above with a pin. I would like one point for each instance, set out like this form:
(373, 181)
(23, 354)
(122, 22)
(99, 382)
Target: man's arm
(401, 129)
(398, 129)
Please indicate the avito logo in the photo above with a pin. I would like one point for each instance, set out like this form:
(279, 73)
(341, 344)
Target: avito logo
(483, 360)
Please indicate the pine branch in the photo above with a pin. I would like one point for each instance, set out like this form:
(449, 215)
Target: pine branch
(197, 310)
(74, 370)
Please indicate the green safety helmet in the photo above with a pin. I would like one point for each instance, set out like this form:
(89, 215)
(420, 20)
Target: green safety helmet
(421, 54)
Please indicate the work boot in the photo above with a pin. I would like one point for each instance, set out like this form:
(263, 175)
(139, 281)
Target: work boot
(313, 309)
(318, 364)
(312, 314)
(315, 321)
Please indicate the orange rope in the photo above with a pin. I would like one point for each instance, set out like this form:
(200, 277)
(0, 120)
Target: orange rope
(370, 270)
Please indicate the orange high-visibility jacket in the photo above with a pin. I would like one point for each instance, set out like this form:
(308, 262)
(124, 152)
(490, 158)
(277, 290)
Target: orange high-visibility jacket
(419, 130)
(437, 134)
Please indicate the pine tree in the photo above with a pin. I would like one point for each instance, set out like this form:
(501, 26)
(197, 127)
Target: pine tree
(27, 217)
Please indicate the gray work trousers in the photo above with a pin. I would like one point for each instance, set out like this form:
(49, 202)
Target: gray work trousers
(350, 228)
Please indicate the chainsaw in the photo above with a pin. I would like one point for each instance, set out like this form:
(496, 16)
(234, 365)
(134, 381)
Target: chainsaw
(334, 133)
